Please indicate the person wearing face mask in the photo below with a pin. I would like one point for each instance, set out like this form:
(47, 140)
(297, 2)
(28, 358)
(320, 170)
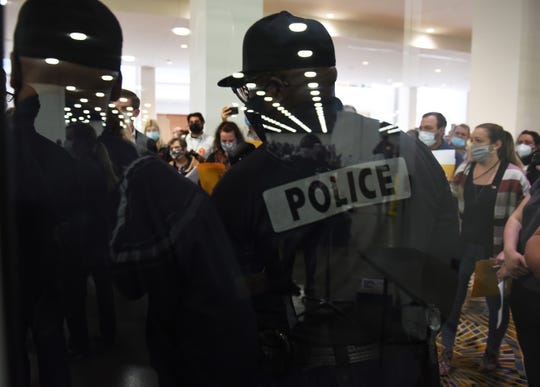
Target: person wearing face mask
(488, 188)
(197, 140)
(152, 131)
(527, 145)
(431, 133)
(458, 139)
(181, 160)
(227, 140)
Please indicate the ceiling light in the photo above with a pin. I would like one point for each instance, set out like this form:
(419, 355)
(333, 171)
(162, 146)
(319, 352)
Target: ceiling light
(330, 16)
(298, 27)
(52, 61)
(147, 105)
(128, 58)
(310, 74)
(305, 53)
(438, 70)
(181, 31)
(365, 63)
(78, 36)
(169, 62)
(184, 46)
(99, 94)
(107, 78)
(71, 88)
(313, 85)
(430, 30)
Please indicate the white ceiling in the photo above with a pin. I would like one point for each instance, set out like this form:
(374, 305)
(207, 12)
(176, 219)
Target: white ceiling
(370, 31)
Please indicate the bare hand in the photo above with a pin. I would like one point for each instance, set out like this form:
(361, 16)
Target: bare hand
(514, 264)
(225, 113)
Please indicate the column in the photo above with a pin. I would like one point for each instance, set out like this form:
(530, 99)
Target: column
(148, 93)
(505, 52)
(217, 31)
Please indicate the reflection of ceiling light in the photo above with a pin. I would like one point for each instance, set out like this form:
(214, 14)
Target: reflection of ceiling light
(430, 30)
(184, 46)
(316, 99)
(397, 84)
(438, 70)
(52, 61)
(84, 100)
(77, 105)
(147, 105)
(310, 74)
(305, 53)
(123, 99)
(260, 92)
(275, 104)
(107, 78)
(128, 58)
(297, 27)
(423, 41)
(181, 31)
(315, 92)
(251, 85)
(78, 36)
(169, 62)
(330, 16)
(71, 88)
(313, 85)
(99, 94)
(268, 99)
(238, 75)
(97, 109)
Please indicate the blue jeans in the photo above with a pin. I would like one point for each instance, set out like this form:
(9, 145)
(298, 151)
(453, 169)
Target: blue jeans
(471, 254)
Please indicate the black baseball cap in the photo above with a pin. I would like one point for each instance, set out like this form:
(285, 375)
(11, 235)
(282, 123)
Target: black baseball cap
(280, 42)
(43, 31)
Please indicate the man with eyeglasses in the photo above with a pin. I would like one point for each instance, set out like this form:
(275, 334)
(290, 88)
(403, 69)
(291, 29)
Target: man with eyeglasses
(369, 225)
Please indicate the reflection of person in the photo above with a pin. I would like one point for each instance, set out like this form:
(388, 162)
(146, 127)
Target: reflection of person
(458, 139)
(227, 139)
(181, 160)
(488, 188)
(46, 196)
(128, 104)
(280, 203)
(527, 147)
(197, 140)
(525, 292)
(431, 133)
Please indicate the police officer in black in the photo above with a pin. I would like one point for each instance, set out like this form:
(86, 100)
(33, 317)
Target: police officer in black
(377, 230)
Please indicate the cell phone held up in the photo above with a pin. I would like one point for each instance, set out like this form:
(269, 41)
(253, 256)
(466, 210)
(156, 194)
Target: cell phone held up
(233, 110)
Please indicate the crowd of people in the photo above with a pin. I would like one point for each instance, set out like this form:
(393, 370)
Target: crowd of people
(387, 241)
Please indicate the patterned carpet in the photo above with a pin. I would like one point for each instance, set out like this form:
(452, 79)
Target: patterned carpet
(470, 345)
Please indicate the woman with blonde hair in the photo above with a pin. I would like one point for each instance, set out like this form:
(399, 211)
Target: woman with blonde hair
(151, 130)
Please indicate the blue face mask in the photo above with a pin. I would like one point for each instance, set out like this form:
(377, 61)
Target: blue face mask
(153, 135)
(480, 152)
(458, 142)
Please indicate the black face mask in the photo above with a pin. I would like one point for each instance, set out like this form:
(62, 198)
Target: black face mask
(195, 128)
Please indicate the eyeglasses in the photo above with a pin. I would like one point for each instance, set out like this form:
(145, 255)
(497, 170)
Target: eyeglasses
(9, 96)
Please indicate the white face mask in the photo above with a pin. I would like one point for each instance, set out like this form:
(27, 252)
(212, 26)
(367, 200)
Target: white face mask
(523, 150)
(427, 138)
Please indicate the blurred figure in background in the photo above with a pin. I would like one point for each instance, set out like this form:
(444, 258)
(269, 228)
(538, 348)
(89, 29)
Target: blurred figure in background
(182, 161)
(226, 141)
(458, 140)
(527, 148)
